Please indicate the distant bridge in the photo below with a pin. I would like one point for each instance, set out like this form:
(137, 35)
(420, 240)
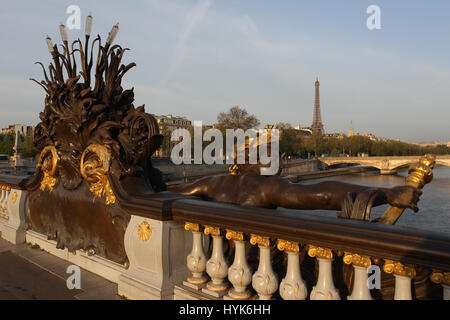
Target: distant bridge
(387, 165)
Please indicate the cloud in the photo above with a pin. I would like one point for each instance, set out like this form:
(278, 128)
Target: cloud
(193, 18)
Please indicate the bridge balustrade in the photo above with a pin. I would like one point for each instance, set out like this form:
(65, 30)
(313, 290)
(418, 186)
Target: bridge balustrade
(181, 247)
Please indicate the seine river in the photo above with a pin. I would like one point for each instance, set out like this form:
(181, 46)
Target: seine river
(434, 204)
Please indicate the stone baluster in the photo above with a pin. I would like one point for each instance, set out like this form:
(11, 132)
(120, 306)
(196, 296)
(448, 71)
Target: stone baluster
(216, 266)
(360, 290)
(196, 260)
(13, 206)
(324, 288)
(442, 278)
(4, 203)
(403, 275)
(2, 199)
(264, 280)
(292, 286)
(239, 274)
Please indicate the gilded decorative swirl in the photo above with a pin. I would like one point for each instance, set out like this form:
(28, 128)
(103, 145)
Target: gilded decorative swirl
(234, 235)
(6, 188)
(289, 246)
(259, 240)
(190, 226)
(395, 267)
(144, 231)
(214, 231)
(94, 170)
(440, 277)
(233, 169)
(357, 260)
(48, 161)
(319, 252)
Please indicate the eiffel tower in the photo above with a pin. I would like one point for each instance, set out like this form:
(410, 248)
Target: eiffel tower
(317, 125)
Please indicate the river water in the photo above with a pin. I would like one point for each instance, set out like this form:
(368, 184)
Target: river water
(434, 204)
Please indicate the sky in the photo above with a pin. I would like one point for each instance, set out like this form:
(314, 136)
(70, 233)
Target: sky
(197, 58)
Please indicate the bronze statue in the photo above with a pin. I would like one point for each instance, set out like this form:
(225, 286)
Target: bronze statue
(245, 186)
(90, 140)
(249, 188)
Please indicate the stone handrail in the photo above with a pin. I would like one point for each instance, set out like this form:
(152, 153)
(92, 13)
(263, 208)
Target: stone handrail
(363, 245)
(406, 245)
(168, 237)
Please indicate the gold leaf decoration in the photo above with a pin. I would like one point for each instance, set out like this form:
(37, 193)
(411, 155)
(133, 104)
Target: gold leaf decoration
(259, 240)
(395, 267)
(214, 231)
(357, 260)
(14, 197)
(189, 226)
(234, 235)
(144, 231)
(319, 252)
(440, 277)
(47, 162)
(289, 246)
(94, 167)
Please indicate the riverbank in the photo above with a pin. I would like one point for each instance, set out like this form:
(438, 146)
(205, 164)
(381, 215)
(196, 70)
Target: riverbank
(329, 173)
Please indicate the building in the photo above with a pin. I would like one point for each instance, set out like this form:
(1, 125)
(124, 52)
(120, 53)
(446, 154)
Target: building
(317, 125)
(22, 129)
(303, 131)
(371, 136)
(167, 124)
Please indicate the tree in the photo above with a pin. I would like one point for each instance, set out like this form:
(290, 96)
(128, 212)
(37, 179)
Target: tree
(7, 144)
(236, 118)
(290, 139)
(28, 150)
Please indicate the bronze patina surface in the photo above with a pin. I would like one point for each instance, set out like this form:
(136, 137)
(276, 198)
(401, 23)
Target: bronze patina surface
(90, 139)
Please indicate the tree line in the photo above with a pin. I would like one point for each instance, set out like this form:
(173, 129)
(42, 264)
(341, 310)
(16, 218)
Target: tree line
(295, 143)
(7, 145)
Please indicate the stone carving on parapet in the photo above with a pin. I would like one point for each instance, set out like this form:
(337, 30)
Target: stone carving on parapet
(92, 144)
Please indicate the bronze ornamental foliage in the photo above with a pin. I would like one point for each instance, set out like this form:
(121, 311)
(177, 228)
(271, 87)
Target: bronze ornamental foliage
(92, 144)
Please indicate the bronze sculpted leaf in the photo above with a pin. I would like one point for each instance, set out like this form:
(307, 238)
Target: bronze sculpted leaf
(90, 135)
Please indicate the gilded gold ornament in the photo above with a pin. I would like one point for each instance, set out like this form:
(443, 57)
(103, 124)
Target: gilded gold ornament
(48, 161)
(14, 197)
(440, 277)
(144, 231)
(357, 260)
(259, 240)
(190, 226)
(319, 252)
(288, 246)
(214, 231)
(418, 175)
(395, 267)
(234, 235)
(94, 166)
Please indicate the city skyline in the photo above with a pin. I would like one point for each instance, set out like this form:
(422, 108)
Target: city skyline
(200, 58)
